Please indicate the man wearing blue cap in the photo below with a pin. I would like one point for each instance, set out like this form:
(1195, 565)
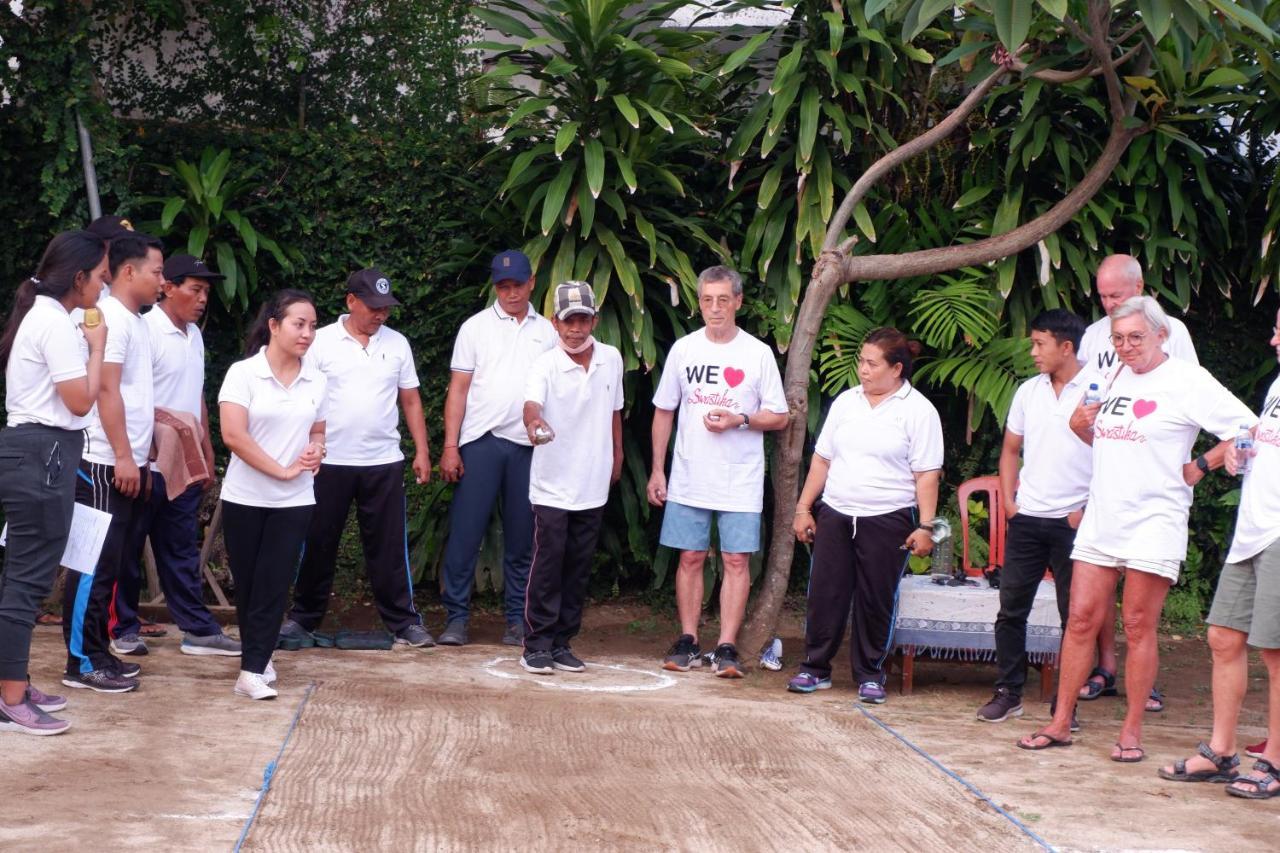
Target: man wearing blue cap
(487, 451)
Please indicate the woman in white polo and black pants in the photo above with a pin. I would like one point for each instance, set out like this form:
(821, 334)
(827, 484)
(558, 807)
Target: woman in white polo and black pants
(272, 408)
(877, 465)
(51, 383)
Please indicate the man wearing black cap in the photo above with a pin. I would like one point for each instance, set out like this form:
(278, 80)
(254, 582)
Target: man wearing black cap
(371, 379)
(177, 372)
(487, 451)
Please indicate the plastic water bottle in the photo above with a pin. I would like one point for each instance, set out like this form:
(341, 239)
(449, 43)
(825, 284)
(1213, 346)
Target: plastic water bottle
(1093, 396)
(1244, 448)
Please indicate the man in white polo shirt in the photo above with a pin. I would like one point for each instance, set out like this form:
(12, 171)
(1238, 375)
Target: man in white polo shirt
(1118, 279)
(487, 450)
(1043, 500)
(372, 379)
(177, 370)
(573, 414)
(726, 386)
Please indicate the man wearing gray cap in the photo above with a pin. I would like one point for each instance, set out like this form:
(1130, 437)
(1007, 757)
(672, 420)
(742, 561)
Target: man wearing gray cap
(371, 380)
(573, 413)
(487, 450)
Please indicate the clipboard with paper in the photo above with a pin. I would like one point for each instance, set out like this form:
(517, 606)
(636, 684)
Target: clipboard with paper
(84, 543)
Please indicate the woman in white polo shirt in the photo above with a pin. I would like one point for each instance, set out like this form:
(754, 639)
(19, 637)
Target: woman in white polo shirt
(1139, 500)
(51, 382)
(877, 465)
(273, 410)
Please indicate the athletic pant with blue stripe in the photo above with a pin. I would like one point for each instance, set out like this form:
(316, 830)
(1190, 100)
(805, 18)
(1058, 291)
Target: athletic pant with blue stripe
(378, 493)
(857, 564)
(87, 598)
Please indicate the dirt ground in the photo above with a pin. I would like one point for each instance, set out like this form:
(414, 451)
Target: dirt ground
(445, 749)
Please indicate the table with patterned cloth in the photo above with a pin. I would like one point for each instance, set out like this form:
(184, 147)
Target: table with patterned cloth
(958, 623)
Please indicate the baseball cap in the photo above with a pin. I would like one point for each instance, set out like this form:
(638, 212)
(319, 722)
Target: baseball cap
(511, 265)
(179, 267)
(372, 288)
(574, 297)
(109, 227)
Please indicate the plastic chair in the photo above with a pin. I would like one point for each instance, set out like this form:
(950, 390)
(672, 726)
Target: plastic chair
(990, 485)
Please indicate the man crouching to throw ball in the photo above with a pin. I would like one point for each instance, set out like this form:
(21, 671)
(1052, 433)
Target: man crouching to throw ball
(573, 412)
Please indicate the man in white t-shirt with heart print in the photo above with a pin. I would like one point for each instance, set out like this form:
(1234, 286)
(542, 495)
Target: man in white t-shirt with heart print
(726, 386)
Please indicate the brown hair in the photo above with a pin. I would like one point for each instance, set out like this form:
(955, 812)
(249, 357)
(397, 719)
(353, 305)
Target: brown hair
(895, 346)
(68, 255)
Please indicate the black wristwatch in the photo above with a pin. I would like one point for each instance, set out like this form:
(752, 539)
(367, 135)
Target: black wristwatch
(746, 422)
(1202, 464)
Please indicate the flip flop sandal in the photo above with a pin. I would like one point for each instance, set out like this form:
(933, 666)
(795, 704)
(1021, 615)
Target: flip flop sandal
(151, 629)
(1094, 689)
(48, 619)
(1142, 754)
(1052, 742)
(1155, 703)
(1264, 775)
(1224, 767)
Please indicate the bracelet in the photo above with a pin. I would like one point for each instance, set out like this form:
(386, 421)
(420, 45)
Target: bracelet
(800, 511)
(447, 446)
(927, 528)
(1202, 464)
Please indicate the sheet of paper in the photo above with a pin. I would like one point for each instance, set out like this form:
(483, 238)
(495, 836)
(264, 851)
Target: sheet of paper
(84, 544)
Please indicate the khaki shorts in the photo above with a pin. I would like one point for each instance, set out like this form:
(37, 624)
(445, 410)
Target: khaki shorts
(1167, 569)
(1248, 598)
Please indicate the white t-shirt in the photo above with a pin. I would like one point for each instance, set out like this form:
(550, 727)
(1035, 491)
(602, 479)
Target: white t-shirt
(1098, 355)
(129, 345)
(363, 427)
(572, 471)
(1056, 464)
(47, 349)
(875, 453)
(722, 471)
(280, 421)
(1258, 521)
(497, 350)
(1143, 435)
(177, 363)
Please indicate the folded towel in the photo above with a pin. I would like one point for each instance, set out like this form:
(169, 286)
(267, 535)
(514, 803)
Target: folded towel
(179, 456)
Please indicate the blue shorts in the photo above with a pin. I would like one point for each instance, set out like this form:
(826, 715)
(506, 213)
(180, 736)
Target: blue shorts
(688, 528)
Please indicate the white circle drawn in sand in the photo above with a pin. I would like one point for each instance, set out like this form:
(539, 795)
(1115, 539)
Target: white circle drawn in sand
(661, 681)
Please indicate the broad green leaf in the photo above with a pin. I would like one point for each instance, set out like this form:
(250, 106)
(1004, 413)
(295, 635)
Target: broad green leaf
(625, 169)
(1013, 21)
(669, 179)
(769, 185)
(1244, 17)
(835, 30)
(645, 227)
(528, 107)
(925, 12)
(972, 196)
(742, 54)
(593, 157)
(627, 109)
(865, 225)
(659, 117)
(502, 22)
(227, 267)
(171, 210)
(586, 211)
(565, 137)
(1225, 76)
(521, 163)
(787, 66)
(556, 192)
(1057, 8)
(1156, 16)
(919, 54)
(809, 105)
(874, 7)
(196, 240)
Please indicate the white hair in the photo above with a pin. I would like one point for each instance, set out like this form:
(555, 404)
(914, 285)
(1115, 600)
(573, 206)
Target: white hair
(1148, 308)
(1129, 268)
(720, 273)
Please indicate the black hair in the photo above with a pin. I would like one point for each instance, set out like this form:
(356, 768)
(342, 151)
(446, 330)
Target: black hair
(68, 255)
(895, 346)
(1062, 324)
(132, 246)
(273, 309)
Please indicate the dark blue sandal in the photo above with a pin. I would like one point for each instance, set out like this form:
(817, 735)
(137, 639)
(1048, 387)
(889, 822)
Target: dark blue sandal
(1224, 767)
(1093, 689)
(1155, 702)
(1264, 775)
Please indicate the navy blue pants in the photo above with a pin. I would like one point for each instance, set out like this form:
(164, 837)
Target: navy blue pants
(492, 467)
(174, 528)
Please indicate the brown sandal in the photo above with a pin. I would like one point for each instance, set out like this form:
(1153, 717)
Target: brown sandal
(1142, 754)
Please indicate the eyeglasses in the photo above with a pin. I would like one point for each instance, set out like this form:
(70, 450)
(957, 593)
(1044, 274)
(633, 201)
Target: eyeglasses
(1134, 339)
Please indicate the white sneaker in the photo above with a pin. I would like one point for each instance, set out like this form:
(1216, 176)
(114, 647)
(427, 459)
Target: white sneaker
(254, 686)
(269, 676)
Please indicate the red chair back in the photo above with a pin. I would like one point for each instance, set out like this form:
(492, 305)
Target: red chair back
(990, 486)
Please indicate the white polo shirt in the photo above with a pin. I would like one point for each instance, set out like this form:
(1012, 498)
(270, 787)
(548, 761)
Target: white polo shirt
(129, 345)
(280, 421)
(572, 471)
(875, 453)
(363, 427)
(1056, 464)
(1258, 520)
(497, 350)
(1098, 355)
(177, 363)
(47, 349)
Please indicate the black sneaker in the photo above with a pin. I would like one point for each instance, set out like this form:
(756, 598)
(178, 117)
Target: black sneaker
(725, 663)
(540, 663)
(124, 669)
(565, 659)
(1002, 706)
(1075, 722)
(101, 681)
(683, 655)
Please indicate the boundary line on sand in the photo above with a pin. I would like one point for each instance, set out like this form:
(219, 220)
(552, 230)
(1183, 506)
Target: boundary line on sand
(973, 789)
(270, 770)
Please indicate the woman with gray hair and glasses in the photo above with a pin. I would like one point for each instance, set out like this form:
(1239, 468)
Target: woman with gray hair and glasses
(1135, 523)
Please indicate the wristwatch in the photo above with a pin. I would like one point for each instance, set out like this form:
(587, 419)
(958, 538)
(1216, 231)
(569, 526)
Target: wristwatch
(1202, 464)
(746, 423)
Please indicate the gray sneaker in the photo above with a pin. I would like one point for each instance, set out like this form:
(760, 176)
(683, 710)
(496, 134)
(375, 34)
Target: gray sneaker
(25, 718)
(415, 636)
(454, 634)
(214, 644)
(293, 637)
(514, 635)
(46, 702)
(129, 644)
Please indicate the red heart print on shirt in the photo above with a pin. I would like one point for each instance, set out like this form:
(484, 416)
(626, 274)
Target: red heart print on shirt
(733, 376)
(1142, 408)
